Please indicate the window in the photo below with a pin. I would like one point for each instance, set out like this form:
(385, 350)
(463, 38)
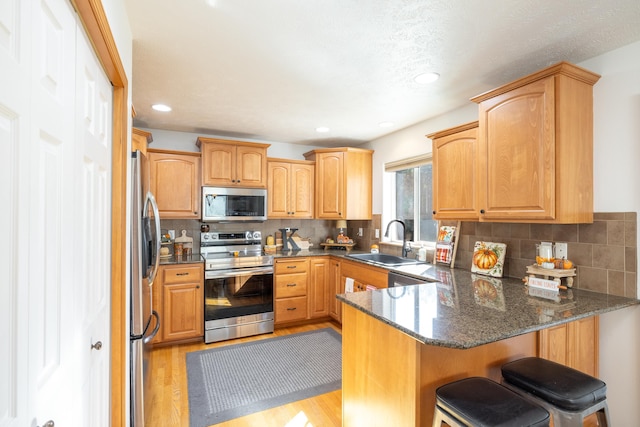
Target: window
(410, 182)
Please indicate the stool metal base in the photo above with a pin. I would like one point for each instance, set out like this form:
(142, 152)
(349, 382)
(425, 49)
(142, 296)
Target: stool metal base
(563, 418)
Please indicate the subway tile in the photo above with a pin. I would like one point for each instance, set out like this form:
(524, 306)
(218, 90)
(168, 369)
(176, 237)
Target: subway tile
(615, 283)
(513, 247)
(631, 216)
(542, 232)
(520, 231)
(581, 254)
(565, 232)
(615, 232)
(593, 279)
(630, 285)
(630, 259)
(467, 227)
(608, 216)
(501, 230)
(593, 233)
(608, 257)
(484, 229)
(528, 249)
(630, 232)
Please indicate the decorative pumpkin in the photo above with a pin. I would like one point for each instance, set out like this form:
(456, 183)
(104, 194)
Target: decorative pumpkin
(485, 258)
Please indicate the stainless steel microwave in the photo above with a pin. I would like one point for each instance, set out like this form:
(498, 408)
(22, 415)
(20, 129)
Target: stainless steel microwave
(221, 204)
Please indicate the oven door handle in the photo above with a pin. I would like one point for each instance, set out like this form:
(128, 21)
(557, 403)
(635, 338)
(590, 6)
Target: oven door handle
(220, 274)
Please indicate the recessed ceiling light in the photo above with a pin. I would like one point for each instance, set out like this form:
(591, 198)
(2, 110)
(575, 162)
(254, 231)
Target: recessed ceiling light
(386, 124)
(161, 107)
(425, 78)
(322, 129)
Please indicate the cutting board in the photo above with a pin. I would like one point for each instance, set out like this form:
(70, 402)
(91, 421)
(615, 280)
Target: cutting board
(187, 242)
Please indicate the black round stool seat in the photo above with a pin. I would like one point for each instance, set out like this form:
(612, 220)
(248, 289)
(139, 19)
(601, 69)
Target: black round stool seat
(560, 385)
(483, 402)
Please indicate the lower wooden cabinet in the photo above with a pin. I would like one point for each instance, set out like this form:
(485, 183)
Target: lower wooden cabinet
(178, 297)
(335, 287)
(318, 294)
(290, 289)
(573, 344)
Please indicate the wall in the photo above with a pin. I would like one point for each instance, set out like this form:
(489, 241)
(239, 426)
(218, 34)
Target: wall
(185, 141)
(616, 182)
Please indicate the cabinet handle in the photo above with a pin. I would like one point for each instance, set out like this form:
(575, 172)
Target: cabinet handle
(482, 211)
(197, 286)
(182, 274)
(291, 284)
(292, 266)
(291, 308)
(433, 212)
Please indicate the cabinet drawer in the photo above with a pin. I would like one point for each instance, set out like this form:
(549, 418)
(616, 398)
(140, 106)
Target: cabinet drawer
(185, 274)
(292, 266)
(291, 285)
(291, 309)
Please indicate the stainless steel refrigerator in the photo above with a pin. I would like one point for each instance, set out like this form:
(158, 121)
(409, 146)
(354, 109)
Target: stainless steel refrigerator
(145, 256)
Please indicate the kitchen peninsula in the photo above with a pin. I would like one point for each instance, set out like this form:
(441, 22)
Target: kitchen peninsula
(400, 344)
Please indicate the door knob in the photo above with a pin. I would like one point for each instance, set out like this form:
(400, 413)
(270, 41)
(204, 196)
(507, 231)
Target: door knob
(97, 346)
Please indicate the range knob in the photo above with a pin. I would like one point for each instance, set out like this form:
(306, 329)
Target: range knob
(257, 235)
(205, 236)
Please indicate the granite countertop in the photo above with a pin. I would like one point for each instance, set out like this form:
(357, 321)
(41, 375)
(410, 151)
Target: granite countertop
(185, 259)
(465, 310)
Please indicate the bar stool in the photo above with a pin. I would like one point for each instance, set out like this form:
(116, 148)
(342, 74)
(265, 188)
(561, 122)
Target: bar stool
(482, 402)
(568, 394)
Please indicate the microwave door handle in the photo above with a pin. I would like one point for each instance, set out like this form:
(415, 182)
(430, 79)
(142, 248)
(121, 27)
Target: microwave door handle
(150, 200)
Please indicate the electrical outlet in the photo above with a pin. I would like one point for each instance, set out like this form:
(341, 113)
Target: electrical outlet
(360, 233)
(377, 233)
(561, 251)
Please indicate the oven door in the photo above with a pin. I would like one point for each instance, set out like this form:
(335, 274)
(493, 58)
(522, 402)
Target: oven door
(238, 292)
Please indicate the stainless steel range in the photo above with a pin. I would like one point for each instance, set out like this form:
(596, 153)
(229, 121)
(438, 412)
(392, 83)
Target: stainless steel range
(238, 285)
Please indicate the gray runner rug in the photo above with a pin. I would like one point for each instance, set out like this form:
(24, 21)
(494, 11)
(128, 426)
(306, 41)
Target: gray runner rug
(236, 380)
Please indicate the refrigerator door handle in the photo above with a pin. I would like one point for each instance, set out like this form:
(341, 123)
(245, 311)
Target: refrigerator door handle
(147, 339)
(150, 200)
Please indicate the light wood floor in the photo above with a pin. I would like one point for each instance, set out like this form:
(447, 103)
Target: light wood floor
(170, 404)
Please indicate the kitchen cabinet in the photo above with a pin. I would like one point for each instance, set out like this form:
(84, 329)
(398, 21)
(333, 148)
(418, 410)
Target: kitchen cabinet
(178, 297)
(535, 148)
(319, 284)
(343, 182)
(455, 173)
(140, 140)
(291, 282)
(572, 344)
(175, 183)
(227, 163)
(335, 287)
(290, 185)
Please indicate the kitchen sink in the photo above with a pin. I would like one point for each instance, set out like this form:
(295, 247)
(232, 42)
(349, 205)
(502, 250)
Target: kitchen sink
(383, 259)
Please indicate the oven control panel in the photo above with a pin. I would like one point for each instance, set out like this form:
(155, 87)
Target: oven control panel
(231, 237)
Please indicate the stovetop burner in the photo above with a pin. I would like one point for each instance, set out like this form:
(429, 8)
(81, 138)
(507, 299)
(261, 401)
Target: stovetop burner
(233, 250)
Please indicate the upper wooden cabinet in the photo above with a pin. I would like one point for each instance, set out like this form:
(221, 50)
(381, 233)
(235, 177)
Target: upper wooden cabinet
(455, 172)
(535, 148)
(290, 185)
(175, 183)
(343, 182)
(140, 140)
(228, 163)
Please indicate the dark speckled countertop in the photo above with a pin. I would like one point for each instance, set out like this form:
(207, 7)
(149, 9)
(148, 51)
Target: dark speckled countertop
(465, 310)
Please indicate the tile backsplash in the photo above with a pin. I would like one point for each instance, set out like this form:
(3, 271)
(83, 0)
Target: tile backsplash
(604, 252)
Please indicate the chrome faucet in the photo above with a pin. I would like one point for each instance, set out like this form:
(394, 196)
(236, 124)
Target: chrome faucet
(404, 239)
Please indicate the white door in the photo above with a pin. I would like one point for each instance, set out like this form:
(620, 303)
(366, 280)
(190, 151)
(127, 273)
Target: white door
(93, 222)
(56, 189)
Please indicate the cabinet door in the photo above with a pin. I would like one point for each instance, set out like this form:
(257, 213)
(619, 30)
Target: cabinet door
(335, 287)
(318, 291)
(278, 182)
(302, 190)
(517, 148)
(218, 164)
(183, 307)
(573, 344)
(251, 166)
(330, 186)
(455, 172)
(175, 183)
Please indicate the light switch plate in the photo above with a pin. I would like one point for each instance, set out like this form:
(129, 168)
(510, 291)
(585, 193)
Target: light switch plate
(377, 233)
(561, 251)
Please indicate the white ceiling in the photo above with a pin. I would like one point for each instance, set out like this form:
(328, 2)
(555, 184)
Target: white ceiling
(274, 70)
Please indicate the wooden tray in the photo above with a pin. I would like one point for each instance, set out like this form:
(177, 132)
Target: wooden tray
(556, 273)
(347, 246)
